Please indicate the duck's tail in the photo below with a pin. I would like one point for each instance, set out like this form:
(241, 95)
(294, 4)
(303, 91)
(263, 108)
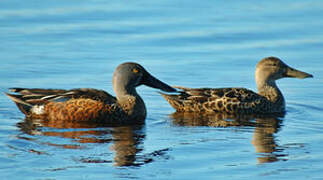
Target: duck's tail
(21, 102)
(26, 98)
(174, 100)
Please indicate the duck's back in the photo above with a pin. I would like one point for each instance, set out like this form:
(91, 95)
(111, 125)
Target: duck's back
(68, 105)
(231, 100)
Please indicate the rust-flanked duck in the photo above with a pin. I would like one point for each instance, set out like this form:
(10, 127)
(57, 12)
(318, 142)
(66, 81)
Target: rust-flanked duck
(91, 104)
(269, 98)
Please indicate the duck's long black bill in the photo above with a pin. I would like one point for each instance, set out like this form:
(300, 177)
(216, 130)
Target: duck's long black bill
(153, 82)
(291, 72)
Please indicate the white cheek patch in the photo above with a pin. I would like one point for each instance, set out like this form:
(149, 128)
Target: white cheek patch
(38, 109)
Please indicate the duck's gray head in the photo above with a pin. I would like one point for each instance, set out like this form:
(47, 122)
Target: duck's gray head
(272, 68)
(128, 76)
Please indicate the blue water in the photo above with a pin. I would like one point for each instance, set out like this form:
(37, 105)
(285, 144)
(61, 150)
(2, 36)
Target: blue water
(70, 44)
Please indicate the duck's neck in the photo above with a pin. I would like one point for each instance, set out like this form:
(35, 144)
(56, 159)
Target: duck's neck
(129, 100)
(269, 90)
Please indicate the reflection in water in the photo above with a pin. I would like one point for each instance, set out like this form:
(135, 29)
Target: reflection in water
(264, 140)
(263, 137)
(126, 145)
(126, 140)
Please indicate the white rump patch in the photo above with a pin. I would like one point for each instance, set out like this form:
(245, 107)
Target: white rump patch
(38, 109)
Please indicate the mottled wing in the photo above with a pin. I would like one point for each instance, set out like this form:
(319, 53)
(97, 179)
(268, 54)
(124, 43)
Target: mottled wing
(232, 100)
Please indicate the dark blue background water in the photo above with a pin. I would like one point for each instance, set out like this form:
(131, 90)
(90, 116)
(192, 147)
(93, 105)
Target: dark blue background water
(70, 44)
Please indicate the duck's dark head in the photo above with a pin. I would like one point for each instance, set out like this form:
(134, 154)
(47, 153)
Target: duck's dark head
(128, 76)
(272, 68)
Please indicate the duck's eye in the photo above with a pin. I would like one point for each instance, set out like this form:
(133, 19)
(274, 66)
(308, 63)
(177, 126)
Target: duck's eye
(135, 70)
(274, 64)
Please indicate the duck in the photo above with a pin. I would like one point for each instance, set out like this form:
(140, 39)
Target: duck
(269, 98)
(91, 105)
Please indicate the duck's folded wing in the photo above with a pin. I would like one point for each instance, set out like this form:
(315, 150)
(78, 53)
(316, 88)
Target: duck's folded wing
(214, 99)
(210, 94)
(57, 104)
(32, 95)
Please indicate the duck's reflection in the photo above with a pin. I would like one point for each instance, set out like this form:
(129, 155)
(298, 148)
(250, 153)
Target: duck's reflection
(264, 140)
(126, 144)
(126, 140)
(265, 127)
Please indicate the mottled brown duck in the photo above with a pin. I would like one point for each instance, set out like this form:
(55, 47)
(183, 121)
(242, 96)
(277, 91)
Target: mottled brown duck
(269, 98)
(94, 105)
